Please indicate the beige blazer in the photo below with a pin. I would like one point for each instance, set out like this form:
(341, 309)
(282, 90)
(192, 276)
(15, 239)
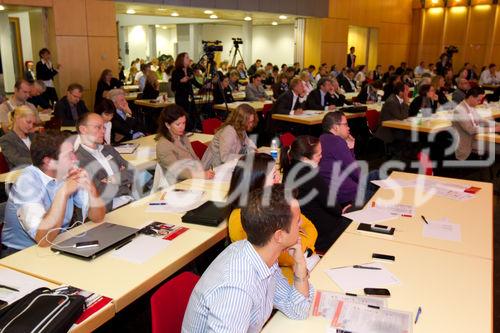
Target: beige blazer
(466, 130)
(177, 158)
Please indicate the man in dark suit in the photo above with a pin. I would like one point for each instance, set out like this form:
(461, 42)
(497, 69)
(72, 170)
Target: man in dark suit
(320, 98)
(108, 170)
(346, 80)
(395, 108)
(337, 98)
(71, 107)
(351, 58)
(124, 125)
(253, 69)
(290, 102)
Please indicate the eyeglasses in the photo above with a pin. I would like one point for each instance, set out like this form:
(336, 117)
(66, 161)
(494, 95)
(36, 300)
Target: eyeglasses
(342, 124)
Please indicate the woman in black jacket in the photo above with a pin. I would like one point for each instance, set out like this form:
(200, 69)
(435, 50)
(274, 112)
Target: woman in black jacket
(222, 91)
(182, 85)
(106, 83)
(45, 71)
(426, 99)
(302, 161)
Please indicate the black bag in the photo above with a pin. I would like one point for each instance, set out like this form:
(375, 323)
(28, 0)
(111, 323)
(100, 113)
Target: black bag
(207, 214)
(42, 311)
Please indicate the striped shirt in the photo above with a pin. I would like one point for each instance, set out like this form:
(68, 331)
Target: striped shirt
(237, 293)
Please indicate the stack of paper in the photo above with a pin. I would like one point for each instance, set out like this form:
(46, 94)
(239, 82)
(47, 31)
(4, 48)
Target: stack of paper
(224, 172)
(443, 229)
(370, 215)
(15, 285)
(353, 279)
(140, 249)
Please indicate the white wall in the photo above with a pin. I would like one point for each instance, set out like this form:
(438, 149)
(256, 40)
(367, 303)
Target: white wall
(137, 38)
(273, 44)
(224, 33)
(165, 41)
(24, 25)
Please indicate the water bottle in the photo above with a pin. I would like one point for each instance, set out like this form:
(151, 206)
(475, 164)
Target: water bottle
(274, 149)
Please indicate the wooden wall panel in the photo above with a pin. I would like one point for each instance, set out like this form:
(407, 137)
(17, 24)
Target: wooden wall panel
(334, 30)
(102, 54)
(481, 19)
(334, 54)
(36, 3)
(312, 42)
(101, 18)
(392, 54)
(339, 9)
(70, 18)
(72, 54)
(496, 55)
(434, 23)
(456, 26)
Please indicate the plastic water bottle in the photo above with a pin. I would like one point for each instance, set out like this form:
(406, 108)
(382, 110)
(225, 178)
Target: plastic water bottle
(274, 149)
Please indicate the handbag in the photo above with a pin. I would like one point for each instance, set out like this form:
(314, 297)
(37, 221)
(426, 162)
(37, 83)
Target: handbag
(209, 214)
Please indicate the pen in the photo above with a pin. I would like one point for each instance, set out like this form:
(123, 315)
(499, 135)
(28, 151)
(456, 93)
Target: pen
(419, 311)
(8, 288)
(366, 267)
(157, 203)
(123, 244)
(423, 218)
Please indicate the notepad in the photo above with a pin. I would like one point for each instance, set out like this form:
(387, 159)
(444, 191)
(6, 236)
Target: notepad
(177, 201)
(354, 279)
(141, 249)
(443, 229)
(370, 215)
(22, 282)
(126, 148)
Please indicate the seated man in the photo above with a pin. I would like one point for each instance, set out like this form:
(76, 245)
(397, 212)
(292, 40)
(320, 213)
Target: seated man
(320, 98)
(16, 143)
(239, 289)
(395, 108)
(338, 99)
(22, 89)
(124, 125)
(71, 107)
(337, 146)
(255, 91)
(459, 94)
(42, 200)
(37, 96)
(490, 75)
(109, 171)
(291, 101)
(346, 80)
(467, 122)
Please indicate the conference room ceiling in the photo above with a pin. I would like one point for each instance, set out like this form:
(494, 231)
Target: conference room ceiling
(258, 18)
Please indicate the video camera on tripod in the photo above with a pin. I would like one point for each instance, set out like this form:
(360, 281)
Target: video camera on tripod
(211, 46)
(237, 42)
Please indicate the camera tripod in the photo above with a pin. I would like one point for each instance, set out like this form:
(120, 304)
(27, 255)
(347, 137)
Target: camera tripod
(237, 53)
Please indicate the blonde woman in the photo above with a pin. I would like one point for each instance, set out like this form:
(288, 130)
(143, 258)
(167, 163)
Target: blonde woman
(231, 140)
(438, 83)
(151, 87)
(306, 83)
(17, 142)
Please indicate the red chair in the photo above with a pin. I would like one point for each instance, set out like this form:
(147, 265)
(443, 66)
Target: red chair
(210, 125)
(287, 139)
(266, 108)
(199, 148)
(372, 119)
(4, 167)
(425, 163)
(169, 303)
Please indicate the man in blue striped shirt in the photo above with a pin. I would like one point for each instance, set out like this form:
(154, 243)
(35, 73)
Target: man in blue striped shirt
(239, 289)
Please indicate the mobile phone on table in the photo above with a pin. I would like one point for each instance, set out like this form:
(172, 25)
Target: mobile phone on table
(377, 292)
(383, 257)
(86, 245)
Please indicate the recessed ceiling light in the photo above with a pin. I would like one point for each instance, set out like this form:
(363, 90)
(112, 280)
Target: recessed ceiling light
(274, 23)
(282, 17)
(213, 16)
(208, 12)
(434, 1)
(174, 14)
(2, 7)
(164, 27)
(157, 25)
(130, 11)
(247, 18)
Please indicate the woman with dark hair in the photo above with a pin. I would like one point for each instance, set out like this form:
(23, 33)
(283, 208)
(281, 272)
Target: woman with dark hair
(45, 71)
(262, 173)
(231, 140)
(426, 99)
(389, 87)
(182, 85)
(281, 86)
(106, 83)
(300, 161)
(222, 91)
(174, 152)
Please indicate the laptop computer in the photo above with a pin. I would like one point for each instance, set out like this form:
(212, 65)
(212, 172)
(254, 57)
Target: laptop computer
(107, 235)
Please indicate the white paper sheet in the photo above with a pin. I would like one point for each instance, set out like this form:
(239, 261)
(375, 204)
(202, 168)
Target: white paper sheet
(224, 172)
(22, 282)
(352, 279)
(126, 148)
(326, 302)
(396, 209)
(370, 215)
(393, 183)
(141, 249)
(177, 201)
(443, 229)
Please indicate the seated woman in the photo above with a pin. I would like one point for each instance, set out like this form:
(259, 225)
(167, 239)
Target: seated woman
(107, 110)
(222, 92)
(426, 98)
(369, 92)
(174, 152)
(302, 161)
(151, 87)
(106, 83)
(281, 86)
(17, 142)
(305, 77)
(262, 173)
(438, 83)
(231, 140)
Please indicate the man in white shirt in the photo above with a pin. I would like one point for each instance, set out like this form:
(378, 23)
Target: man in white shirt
(239, 289)
(22, 90)
(420, 69)
(490, 76)
(108, 170)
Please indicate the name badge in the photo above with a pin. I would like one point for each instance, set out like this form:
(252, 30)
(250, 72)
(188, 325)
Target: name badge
(109, 157)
